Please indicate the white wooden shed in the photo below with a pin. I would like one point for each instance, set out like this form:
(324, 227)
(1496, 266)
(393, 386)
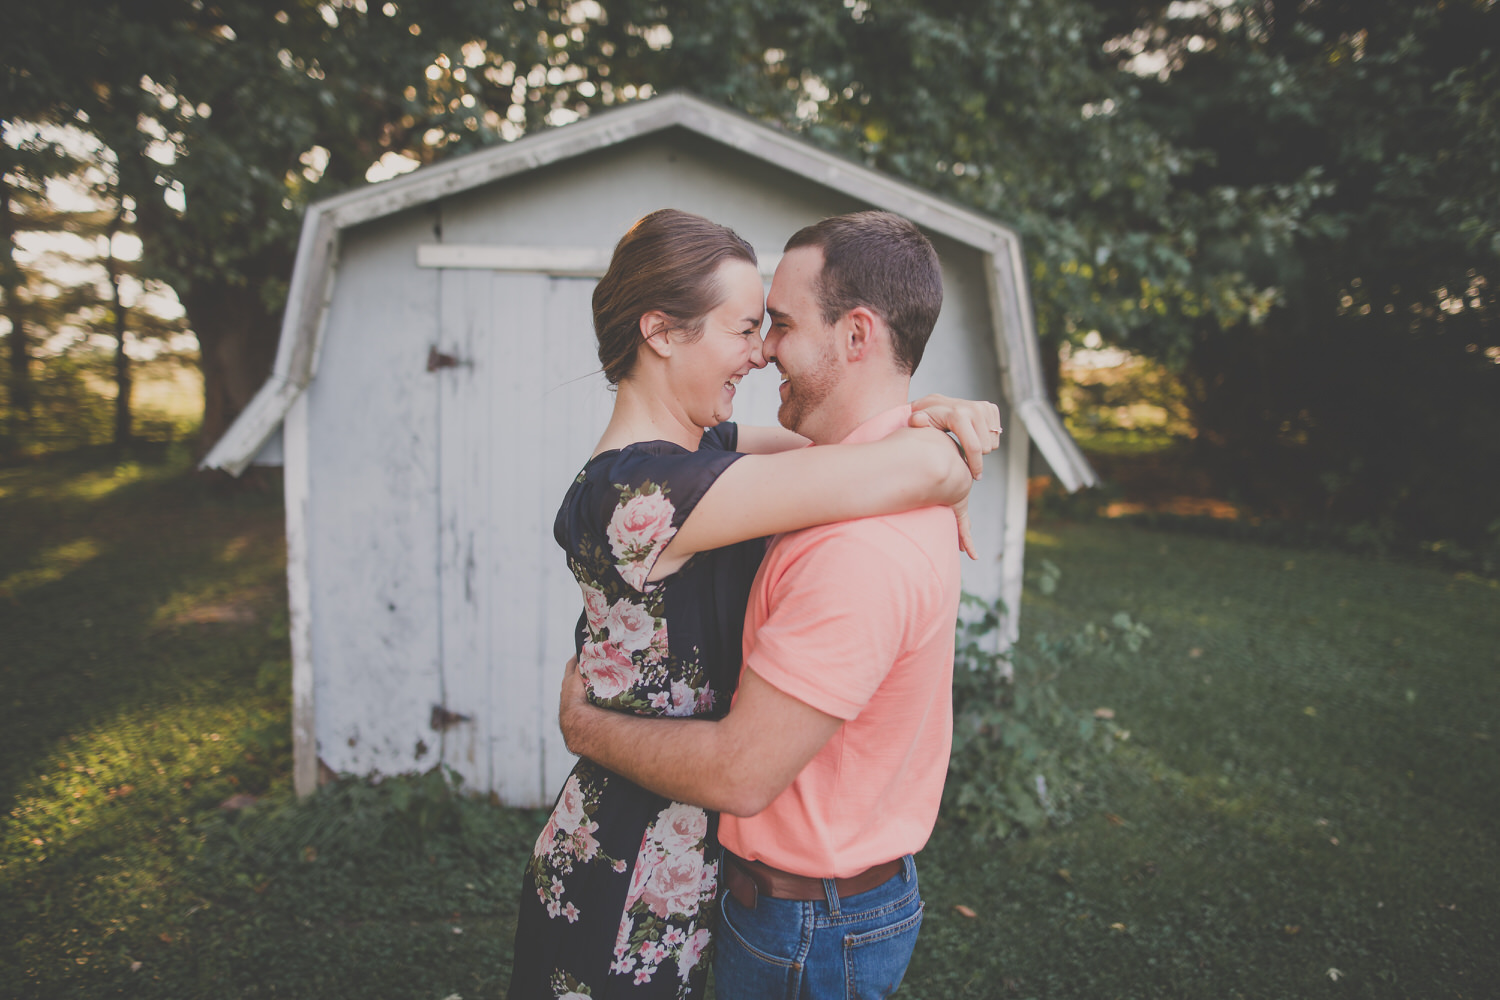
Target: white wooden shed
(436, 390)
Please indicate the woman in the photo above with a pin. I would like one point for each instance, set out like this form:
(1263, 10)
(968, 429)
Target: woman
(663, 529)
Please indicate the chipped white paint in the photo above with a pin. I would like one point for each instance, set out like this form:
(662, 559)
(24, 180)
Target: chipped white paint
(431, 609)
(299, 598)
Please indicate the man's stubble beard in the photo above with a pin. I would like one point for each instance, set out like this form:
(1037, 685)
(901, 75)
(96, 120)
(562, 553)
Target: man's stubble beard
(808, 392)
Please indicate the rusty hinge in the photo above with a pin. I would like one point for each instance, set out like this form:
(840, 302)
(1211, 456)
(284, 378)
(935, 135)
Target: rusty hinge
(437, 359)
(442, 719)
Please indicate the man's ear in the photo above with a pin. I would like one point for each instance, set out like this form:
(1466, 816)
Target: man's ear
(654, 327)
(862, 334)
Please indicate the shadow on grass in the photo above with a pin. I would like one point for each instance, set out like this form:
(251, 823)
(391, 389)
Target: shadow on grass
(125, 588)
(124, 716)
(146, 681)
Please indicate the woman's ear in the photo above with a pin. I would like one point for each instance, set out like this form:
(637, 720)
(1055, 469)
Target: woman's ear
(654, 329)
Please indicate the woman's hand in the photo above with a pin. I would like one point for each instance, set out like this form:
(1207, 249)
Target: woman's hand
(975, 423)
(976, 426)
(965, 531)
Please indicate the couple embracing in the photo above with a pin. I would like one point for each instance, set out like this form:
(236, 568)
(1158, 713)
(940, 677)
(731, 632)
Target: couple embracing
(761, 696)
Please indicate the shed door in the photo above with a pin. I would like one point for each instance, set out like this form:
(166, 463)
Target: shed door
(519, 414)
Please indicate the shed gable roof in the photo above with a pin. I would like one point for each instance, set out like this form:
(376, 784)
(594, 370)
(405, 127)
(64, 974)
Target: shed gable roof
(312, 278)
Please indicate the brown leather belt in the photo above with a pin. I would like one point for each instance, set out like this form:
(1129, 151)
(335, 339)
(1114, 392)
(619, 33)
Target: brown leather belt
(746, 880)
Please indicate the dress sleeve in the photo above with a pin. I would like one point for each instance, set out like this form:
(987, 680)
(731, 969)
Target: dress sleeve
(650, 491)
(722, 437)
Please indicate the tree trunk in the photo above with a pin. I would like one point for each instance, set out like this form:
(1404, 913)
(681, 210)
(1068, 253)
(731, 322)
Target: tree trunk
(236, 347)
(19, 417)
(1051, 352)
(123, 381)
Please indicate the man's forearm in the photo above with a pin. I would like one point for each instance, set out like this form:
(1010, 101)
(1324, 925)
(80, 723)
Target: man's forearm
(682, 759)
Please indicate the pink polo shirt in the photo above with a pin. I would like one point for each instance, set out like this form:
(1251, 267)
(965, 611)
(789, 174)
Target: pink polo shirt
(856, 619)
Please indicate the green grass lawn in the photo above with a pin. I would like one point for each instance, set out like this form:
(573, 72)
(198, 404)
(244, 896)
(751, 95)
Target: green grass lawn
(1306, 804)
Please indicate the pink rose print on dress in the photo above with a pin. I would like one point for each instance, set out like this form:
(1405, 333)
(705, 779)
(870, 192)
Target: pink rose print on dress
(569, 815)
(640, 527)
(645, 864)
(684, 698)
(595, 607)
(681, 827)
(608, 669)
(692, 952)
(631, 627)
(585, 846)
(622, 938)
(544, 839)
(675, 884)
(669, 874)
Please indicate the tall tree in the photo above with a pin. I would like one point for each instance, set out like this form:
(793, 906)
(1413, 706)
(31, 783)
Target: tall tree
(31, 304)
(1369, 391)
(39, 85)
(12, 279)
(225, 119)
(77, 282)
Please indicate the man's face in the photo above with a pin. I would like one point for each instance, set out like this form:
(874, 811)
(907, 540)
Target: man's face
(803, 348)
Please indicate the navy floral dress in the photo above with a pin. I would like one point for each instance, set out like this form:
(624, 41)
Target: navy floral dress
(618, 899)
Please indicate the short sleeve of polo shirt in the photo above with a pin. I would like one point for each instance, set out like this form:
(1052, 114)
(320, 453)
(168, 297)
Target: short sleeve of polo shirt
(844, 598)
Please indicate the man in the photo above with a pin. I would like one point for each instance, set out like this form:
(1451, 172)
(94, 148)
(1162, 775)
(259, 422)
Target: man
(829, 768)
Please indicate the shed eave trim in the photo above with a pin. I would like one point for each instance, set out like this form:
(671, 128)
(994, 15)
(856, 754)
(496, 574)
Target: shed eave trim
(234, 452)
(1021, 368)
(619, 125)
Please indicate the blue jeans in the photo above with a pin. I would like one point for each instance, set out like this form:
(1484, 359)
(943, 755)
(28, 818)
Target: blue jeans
(786, 949)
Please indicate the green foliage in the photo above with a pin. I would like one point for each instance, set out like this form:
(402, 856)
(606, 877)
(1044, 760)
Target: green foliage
(1122, 403)
(72, 406)
(1011, 108)
(1022, 757)
(1366, 395)
(1294, 204)
(352, 818)
(67, 411)
(220, 123)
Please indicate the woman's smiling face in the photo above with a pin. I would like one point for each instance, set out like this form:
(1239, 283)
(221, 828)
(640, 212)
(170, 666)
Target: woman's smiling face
(706, 372)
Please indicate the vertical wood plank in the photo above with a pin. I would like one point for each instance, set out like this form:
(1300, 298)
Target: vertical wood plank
(465, 462)
(299, 595)
(518, 436)
(372, 523)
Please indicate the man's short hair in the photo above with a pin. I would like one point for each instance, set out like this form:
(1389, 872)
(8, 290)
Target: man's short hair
(883, 262)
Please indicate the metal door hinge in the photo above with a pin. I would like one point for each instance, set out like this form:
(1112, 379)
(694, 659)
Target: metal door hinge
(437, 359)
(442, 719)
